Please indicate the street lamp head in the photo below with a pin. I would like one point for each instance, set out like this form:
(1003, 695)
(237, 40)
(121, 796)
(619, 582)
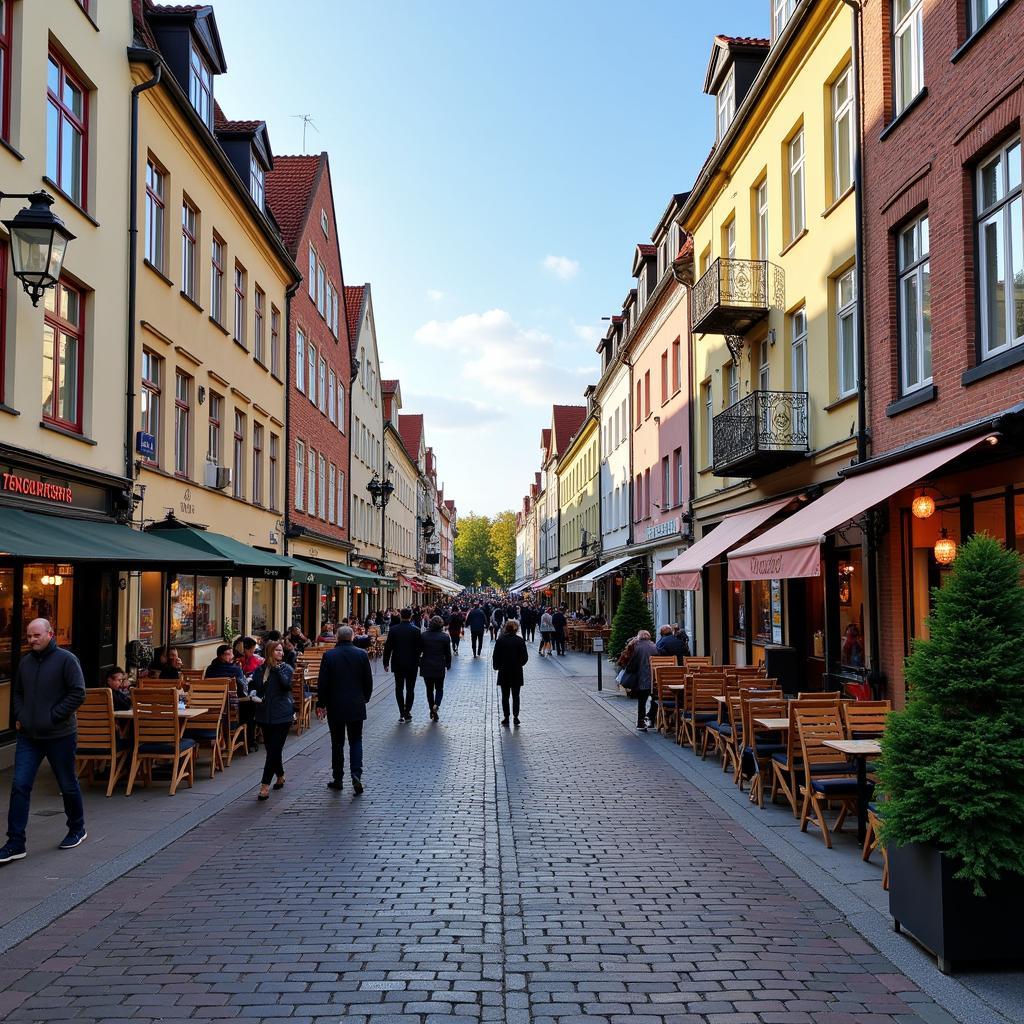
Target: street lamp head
(386, 490)
(39, 242)
(375, 488)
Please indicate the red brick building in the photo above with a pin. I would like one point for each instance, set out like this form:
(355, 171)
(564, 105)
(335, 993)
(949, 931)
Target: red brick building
(944, 290)
(319, 381)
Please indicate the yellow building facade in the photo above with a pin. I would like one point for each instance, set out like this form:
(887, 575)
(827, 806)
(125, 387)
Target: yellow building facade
(775, 319)
(579, 493)
(213, 282)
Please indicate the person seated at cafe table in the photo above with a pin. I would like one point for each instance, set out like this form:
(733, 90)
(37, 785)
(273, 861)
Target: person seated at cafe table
(172, 665)
(224, 666)
(114, 678)
(250, 660)
(326, 633)
(291, 655)
(298, 638)
(673, 642)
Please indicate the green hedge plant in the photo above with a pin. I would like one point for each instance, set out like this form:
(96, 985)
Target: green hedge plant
(631, 616)
(953, 759)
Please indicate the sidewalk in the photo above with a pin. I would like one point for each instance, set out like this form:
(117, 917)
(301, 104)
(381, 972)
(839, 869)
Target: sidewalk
(123, 831)
(839, 874)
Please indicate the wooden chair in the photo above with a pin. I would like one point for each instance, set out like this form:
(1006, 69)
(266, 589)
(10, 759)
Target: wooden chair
(303, 702)
(825, 781)
(668, 702)
(701, 708)
(662, 659)
(786, 764)
(190, 676)
(873, 841)
(695, 663)
(158, 737)
(236, 736)
(865, 720)
(212, 696)
(757, 744)
(99, 744)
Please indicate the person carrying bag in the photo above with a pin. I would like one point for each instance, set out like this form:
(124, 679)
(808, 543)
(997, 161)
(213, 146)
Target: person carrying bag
(271, 691)
(638, 675)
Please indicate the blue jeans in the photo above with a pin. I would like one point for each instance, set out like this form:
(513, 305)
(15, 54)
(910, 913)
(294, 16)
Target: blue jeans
(28, 756)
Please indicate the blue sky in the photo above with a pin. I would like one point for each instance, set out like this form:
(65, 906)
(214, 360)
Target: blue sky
(493, 167)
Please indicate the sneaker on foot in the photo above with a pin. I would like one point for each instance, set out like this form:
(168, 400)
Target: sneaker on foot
(334, 785)
(357, 784)
(515, 721)
(504, 721)
(11, 851)
(73, 839)
(641, 728)
(408, 717)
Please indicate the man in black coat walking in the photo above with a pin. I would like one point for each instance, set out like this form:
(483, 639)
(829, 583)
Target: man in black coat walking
(345, 685)
(477, 621)
(559, 622)
(402, 651)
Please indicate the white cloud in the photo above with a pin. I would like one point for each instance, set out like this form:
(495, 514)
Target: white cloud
(447, 413)
(433, 295)
(585, 332)
(561, 267)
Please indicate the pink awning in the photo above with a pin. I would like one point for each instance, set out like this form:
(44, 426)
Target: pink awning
(793, 548)
(683, 572)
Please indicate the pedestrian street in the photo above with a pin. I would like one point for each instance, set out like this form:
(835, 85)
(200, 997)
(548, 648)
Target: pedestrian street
(558, 873)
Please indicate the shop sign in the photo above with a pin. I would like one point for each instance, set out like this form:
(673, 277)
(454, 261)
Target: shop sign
(186, 504)
(145, 444)
(664, 529)
(51, 491)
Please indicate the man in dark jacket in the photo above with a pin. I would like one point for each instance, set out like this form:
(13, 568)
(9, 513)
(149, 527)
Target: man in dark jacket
(48, 689)
(674, 642)
(344, 687)
(224, 666)
(402, 651)
(558, 621)
(477, 622)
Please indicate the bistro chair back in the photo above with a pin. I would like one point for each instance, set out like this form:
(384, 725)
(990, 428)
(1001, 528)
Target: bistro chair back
(668, 700)
(693, 663)
(865, 720)
(158, 737)
(749, 671)
(98, 742)
(657, 660)
(825, 778)
(190, 676)
(302, 700)
(208, 728)
(150, 681)
(760, 743)
(786, 765)
(702, 708)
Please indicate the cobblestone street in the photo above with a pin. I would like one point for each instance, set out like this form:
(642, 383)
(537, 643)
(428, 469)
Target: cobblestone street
(560, 873)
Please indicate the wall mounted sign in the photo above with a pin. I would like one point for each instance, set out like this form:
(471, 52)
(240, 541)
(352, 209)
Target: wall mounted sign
(45, 490)
(145, 444)
(669, 526)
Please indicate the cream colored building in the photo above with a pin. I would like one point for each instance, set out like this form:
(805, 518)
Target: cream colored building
(62, 363)
(213, 278)
(402, 469)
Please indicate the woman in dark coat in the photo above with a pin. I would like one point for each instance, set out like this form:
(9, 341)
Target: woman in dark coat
(272, 685)
(435, 660)
(510, 655)
(640, 678)
(456, 623)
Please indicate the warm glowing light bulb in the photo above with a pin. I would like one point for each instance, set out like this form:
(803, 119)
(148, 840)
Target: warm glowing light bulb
(923, 506)
(945, 548)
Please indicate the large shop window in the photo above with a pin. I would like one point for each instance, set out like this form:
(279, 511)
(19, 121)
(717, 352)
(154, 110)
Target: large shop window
(196, 609)
(151, 609)
(47, 592)
(237, 606)
(850, 601)
(262, 605)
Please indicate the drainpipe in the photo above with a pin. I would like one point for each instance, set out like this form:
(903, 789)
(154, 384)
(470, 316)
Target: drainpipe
(875, 675)
(286, 460)
(133, 251)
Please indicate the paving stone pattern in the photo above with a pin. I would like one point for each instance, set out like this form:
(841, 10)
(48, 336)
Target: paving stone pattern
(561, 873)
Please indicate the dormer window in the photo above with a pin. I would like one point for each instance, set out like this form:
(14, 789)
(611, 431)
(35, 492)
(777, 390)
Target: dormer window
(256, 180)
(783, 12)
(726, 105)
(200, 87)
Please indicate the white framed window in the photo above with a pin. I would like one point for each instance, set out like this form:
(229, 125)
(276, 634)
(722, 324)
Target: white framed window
(256, 180)
(311, 373)
(324, 223)
(798, 347)
(842, 133)
(321, 290)
(846, 333)
(341, 408)
(797, 208)
(908, 51)
(257, 463)
(732, 383)
(321, 498)
(321, 379)
(332, 492)
(300, 360)
(156, 186)
(259, 341)
(217, 279)
(915, 305)
(182, 423)
(300, 475)
(783, 12)
(1000, 250)
(311, 280)
(200, 87)
(709, 422)
(763, 369)
(341, 497)
(240, 284)
(311, 482)
(726, 101)
(215, 403)
(761, 208)
(332, 396)
(979, 11)
(189, 219)
(238, 452)
(730, 240)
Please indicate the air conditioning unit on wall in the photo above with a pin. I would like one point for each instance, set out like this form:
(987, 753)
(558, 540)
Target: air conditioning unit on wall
(218, 477)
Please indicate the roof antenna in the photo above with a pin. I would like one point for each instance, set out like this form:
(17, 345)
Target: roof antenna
(307, 121)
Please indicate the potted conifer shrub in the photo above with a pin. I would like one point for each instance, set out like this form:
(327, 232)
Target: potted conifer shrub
(953, 768)
(631, 616)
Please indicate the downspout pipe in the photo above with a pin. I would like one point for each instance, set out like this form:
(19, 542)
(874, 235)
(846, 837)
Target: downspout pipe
(289, 355)
(133, 252)
(876, 677)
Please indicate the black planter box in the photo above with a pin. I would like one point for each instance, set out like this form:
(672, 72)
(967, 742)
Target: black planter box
(943, 914)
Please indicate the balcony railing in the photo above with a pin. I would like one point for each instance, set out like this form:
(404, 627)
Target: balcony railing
(733, 295)
(760, 433)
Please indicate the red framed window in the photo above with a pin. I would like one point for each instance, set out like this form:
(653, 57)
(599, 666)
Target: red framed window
(238, 488)
(240, 304)
(67, 129)
(155, 188)
(259, 351)
(275, 445)
(182, 422)
(149, 400)
(213, 430)
(63, 356)
(275, 341)
(217, 279)
(6, 23)
(257, 463)
(188, 250)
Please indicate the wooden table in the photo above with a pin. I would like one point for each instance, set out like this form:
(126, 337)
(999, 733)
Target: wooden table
(773, 724)
(860, 751)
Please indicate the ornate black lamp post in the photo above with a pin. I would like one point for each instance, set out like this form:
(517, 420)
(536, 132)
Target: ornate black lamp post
(39, 242)
(380, 495)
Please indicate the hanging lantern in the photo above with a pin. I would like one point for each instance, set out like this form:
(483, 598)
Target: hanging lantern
(945, 548)
(923, 506)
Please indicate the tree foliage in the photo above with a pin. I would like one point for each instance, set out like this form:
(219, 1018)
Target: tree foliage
(631, 616)
(474, 565)
(503, 548)
(953, 759)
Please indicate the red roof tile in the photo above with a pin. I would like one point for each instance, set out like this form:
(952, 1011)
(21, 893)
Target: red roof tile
(289, 187)
(566, 420)
(687, 250)
(410, 429)
(545, 440)
(647, 249)
(176, 8)
(222, 123)
(389, 387)
(745, 41)
(355, 296)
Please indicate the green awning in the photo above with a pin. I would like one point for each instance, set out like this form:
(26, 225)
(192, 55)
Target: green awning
(36, 536)
(307, 572)
(241, 559)
(361, 577)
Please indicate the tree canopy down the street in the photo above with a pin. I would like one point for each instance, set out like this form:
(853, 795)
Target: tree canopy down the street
(485, 550)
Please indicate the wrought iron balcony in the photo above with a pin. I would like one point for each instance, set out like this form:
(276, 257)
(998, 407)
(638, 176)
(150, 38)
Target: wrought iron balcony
(733, 295)
(760, 433)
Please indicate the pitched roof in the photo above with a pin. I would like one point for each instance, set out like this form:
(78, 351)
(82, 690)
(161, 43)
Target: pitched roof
(410, 430)
(223, 123)
(355, 296)
(745, 40)
(389, 386)
(545, 439)
(289, 188)
(566, 420)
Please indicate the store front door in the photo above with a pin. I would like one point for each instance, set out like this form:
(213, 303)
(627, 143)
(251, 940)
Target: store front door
(96, 622)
